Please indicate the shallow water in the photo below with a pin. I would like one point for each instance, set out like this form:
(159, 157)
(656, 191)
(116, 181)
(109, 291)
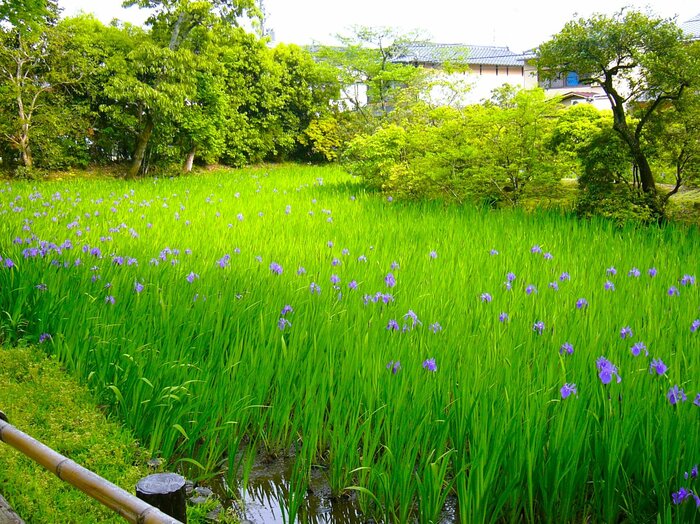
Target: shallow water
(262, 500)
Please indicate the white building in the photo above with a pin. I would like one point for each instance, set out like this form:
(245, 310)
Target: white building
(482, 68)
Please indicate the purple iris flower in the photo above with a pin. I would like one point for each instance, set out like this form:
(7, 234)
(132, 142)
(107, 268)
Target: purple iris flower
(435, 327)
(626, 332)
(673, 291)
(433, 254)
(485, 297)
(581, 303)
(510, 277)
(430, 365)
(390, 280)
(676, 395)
(681, 495)
(335, 279)
(638, 348)
(548, 256)
(138, 287)
(536, 249)
(493, 252)
(652, 272)
(688, 280)
(192, 277)
(695, 325)
(564, 276)
(611, 271)
(394, 366)
(335, 262)
(530, 289)
(287, 309)
(301, 271)
(394, 265)
(697, 400)
(567, 348)
(568, 389)
(109, 299)
(693, 473)
(315, 288)
(538, 327)
(606, 370)
(554, 286)
(392, 325)
(609, 286)
(352, 284)
(276, 268)
(412, 317)
(362, 258)
(283, 323)
(658, 366)
(634, 272)
(44, 337)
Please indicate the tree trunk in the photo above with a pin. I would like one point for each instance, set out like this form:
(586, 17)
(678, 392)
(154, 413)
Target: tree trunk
(645, 175)
(141, 144)
(176, 32)
(189, 160)
(26, 151)
(23, 141)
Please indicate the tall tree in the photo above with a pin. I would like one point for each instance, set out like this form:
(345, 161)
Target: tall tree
(367, 58)
(34, 63)
(172, 22)
(635, 58)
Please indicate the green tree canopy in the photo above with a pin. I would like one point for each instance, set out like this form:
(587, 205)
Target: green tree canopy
(635, 58)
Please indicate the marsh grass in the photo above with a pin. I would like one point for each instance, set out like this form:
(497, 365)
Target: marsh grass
(200, 364)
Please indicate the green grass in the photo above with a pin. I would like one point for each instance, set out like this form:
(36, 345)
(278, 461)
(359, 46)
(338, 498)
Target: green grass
(40, 399)
(202, 372)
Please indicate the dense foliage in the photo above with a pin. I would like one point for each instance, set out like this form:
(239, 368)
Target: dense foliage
(194, 86)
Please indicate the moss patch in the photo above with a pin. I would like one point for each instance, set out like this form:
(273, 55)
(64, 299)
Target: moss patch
(40, 399)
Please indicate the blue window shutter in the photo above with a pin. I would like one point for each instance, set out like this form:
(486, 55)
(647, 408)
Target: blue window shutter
(572, 79)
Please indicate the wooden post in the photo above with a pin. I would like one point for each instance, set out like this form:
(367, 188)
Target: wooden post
(165, 491)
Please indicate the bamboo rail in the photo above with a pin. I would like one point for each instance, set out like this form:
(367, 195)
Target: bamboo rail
(122, 502)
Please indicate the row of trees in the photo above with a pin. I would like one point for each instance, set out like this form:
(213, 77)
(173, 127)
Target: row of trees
(194, 85)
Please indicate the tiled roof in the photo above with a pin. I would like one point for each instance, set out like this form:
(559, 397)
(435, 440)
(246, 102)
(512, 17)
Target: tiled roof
(429, 53)
(692, 27)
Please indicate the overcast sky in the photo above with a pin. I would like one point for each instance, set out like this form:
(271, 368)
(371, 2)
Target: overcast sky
(514, 23)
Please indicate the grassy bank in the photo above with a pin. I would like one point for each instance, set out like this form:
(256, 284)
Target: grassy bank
(41, 399)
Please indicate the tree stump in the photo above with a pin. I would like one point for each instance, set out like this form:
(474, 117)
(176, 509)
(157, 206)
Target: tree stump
(165, 491)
